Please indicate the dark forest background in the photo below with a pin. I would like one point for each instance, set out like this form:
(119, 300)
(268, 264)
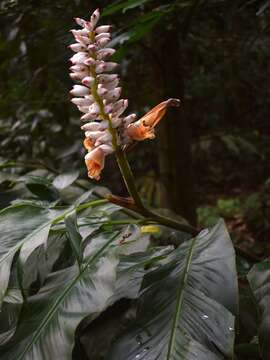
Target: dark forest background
(211, 157)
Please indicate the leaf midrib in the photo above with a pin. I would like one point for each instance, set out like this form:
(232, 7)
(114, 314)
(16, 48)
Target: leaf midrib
(11, 251)
(180, 299)
(60, 298)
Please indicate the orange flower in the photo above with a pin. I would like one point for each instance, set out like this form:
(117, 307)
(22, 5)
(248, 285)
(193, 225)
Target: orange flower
(94, 161)
(88, 144)
(144, 128)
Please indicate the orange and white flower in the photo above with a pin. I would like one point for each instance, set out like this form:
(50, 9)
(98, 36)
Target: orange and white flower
(95, 159)
(98, 96)
(144, 128)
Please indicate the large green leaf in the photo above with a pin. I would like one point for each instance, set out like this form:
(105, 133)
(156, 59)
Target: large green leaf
(25, 227)
(49, 319)
(259, 279)
(74, 235)
(41, 260)
(8, 320)
(123, 5)
(186, 304)
(263, 8)
(20, 225)
(41, 187)
(138, 29)
(64, 180)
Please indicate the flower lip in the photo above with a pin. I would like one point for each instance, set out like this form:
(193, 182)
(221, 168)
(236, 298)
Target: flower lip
(94, 161)
(144, 128)
(153, 116)
(88, 144)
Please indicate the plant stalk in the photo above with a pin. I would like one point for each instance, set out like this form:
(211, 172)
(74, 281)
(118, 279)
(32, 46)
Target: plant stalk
(127, 174)
(141, 209)
(128, 178)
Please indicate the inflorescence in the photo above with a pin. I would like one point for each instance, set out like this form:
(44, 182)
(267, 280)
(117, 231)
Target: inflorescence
(98, 97)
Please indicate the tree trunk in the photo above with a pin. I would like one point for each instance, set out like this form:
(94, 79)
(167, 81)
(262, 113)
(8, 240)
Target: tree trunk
(174, 137)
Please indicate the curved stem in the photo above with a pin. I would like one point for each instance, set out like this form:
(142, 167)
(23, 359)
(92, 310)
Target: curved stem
(164, 220)
(140, 208)
(120, 155)
(127, 172)
(128, 177)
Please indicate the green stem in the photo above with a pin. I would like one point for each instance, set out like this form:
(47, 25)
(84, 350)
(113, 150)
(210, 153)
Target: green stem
(126, 170)
(119, 222)
(128, 177)
(120, 155)
(141, 209)
(92, 203)
(164, 220)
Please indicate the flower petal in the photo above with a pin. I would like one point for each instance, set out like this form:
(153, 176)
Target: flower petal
(94, 161)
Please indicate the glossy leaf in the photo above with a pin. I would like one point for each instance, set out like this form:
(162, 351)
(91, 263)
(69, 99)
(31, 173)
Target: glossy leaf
(138, 29)
(8, 321)
(38, 238)
(41, 187)
(185, 314)
(122, 5)
(24, 227)
(19, 224)
(64, 180)
(41, 260)
(48, 322)
(263, 8)
(74, 235)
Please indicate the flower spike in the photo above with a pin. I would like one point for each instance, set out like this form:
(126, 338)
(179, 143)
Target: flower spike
(98, 97)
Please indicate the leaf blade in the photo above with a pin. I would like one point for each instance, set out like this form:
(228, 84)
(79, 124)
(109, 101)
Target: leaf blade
(74, 235)
(34, 218)
(64, 180)
(172, 329)
(179, 301)
(46, 331)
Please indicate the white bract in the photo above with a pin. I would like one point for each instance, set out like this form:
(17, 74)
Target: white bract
(98, 97)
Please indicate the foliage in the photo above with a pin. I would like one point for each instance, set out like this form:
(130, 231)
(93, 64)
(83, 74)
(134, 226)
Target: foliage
(82, 277)
(33, 49)
(226, 208)
(76, 256)
(257, 211)
(71, 261)
(63, 246)
(177, 317)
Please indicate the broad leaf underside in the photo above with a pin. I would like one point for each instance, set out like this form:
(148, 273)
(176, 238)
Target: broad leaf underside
(184, 314)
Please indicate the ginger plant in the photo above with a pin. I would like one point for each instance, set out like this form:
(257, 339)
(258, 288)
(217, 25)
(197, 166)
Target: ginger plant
(107, 130)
